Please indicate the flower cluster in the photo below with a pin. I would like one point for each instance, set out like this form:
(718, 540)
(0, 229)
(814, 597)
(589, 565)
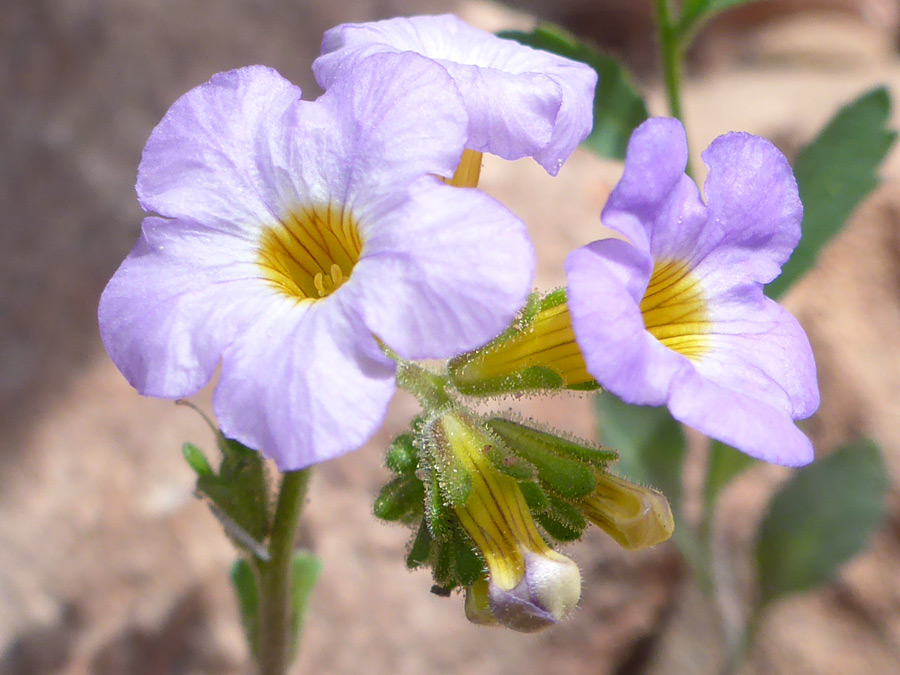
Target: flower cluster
(313, 251)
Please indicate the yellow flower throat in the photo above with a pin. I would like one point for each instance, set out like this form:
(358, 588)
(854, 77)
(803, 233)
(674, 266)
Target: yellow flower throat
(311, 253)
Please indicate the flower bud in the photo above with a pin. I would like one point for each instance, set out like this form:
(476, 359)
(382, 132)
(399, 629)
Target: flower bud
(530, 585)
(635, 516)
(540, 353)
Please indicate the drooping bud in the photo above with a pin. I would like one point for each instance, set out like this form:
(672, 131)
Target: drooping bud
(540, 352)
(634, 515)
(530, 586)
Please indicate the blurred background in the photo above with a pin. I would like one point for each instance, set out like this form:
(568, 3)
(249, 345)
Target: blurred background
(108, 564)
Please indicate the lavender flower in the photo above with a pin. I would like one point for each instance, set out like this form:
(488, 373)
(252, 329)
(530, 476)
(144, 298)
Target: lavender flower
(294, 240)
(676, 315)
(521, 102)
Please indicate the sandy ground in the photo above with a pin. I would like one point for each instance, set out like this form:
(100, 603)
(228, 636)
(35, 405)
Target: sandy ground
(107, 562)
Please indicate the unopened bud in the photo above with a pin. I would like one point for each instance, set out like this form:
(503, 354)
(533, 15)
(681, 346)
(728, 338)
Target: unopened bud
(635, 516)
(530, 585)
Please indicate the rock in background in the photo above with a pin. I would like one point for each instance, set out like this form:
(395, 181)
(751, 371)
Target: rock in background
(107, 562)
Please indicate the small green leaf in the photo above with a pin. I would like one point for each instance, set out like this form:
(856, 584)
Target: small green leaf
(469, 567)
(196, 459)
(243, 580)
(437, 513)
(820, 519)
(651, 445)
(561, 520)
(240, 490)
(535, 497)
(420, 548)
(834, 173)
(402, 456)
(401, 499)
(696, 12)
(725, 463)
(305, 570)
(618, 108)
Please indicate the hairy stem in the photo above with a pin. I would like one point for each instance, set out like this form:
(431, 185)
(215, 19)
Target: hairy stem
(275, 576)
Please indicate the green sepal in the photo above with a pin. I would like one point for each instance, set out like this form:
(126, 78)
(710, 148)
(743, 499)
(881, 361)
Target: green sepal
(437, 513)
(556, 529)
(568, 477)
(401, 499)
(443, 569)
(402, 456)
(511, 465)
(469, 566)
(580, 452)
(535, 498)
(243, 580)
(449, 471)
(240, 490)
(566, 523)
(420, 548)
(305, 571)
(530, 378)
(196, 459)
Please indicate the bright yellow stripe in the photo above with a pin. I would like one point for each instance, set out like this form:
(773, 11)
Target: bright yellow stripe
(307, 243)
(548, 342)
(495, 513)
(674, 309)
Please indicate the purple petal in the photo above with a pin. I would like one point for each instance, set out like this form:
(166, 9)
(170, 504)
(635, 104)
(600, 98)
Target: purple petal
(606, 280)
(521, 101)
(304, 383)
(176, 301)
(754, 207)
(444, 274)
(740, 420)
(200, 162)
(759, 349)
(397, 117)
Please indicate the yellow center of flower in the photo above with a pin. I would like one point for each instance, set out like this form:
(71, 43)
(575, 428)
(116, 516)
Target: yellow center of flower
(311, 253)
(674, 309)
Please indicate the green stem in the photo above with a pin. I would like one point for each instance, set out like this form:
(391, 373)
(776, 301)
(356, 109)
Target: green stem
(275, 576)
(671, 52)
(428, 387)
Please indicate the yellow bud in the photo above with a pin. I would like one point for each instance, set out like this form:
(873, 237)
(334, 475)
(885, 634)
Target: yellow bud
(541, 354)
(635, 516)
(529, 585)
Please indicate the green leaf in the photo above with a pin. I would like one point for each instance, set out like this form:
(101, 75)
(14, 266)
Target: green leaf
(196, 459)
(305, 570)
(469, 567)
(400, 499)
(695, 12)
(420, 547)
(240, 490)
(651, 445)
(725, 463)
(402, 456)
(618, 108)
(243, 580)
(834, 173)
(820, 519)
